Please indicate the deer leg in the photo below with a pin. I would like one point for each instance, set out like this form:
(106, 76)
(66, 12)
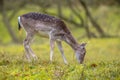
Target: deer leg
(26, 46)
(28, 50)
(52, 44)
(33, 55)
(61, 50)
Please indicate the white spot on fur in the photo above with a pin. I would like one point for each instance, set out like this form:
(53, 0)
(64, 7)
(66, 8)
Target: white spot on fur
(20, 21)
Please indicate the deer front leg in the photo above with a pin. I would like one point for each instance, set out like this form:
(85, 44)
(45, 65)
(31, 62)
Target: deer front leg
(61, 50)
(29, 52)
(52, 44)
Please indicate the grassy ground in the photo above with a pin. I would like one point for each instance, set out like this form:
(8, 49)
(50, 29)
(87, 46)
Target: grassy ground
(101, 62)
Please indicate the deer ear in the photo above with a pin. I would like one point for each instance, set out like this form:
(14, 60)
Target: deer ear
(83, 44)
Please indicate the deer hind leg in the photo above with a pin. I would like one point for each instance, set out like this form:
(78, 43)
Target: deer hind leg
(29, 52)
(62, 51)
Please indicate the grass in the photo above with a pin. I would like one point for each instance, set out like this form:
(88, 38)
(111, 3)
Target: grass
(101, 62)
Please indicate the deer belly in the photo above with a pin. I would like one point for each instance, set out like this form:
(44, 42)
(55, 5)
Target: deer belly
(43, 34)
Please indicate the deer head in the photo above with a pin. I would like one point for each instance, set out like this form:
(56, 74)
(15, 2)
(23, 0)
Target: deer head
(80, 52)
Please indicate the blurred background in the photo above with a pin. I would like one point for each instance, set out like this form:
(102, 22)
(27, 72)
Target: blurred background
(96, 22)
(85, 18)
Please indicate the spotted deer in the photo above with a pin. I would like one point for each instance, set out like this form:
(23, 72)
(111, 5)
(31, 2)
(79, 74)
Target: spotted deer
(52, 28)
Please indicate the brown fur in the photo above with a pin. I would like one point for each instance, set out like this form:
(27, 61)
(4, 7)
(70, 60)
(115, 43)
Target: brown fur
(48, 19)
(52, 28)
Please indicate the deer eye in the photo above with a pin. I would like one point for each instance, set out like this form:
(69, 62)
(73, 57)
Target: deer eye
(82, 48)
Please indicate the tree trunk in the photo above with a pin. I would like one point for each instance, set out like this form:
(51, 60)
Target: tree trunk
(1, 5)
(87, 28)
(98, 28)
(59, 8)
(7, 24)
(76, 12)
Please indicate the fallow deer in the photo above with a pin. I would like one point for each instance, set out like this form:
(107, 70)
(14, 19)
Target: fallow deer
(51, 27)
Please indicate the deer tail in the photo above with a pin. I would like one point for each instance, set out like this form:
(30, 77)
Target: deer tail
(19, 26)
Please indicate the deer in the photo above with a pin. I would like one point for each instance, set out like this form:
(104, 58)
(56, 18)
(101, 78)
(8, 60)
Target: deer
(50, 27)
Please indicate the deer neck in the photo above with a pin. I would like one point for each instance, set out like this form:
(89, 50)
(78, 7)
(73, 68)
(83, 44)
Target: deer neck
(71, 41)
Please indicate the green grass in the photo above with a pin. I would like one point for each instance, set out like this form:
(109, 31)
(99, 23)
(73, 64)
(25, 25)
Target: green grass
(101, 62)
